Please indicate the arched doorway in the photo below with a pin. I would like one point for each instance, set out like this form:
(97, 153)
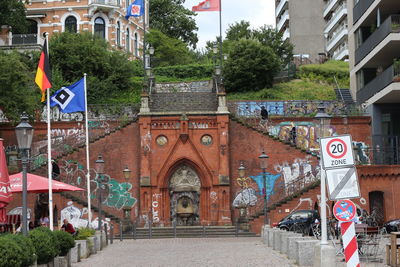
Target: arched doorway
(184, 188)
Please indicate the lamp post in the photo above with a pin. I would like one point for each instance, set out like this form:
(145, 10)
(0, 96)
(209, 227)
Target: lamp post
(100, 173)
(24, 133)
(322, 120)
(263, 165)
(149, 72)
(127, 210)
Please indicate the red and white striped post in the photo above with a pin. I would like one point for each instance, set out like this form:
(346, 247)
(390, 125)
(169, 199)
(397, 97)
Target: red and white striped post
(350, 244)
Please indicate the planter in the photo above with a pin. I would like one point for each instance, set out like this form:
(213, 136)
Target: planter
(61, 261)
(84, 248)
(92, 245)
(34, 264)
(97, 242)
(75, 253)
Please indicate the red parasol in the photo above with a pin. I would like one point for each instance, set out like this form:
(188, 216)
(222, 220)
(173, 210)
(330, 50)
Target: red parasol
(39, 184)
(5, 190)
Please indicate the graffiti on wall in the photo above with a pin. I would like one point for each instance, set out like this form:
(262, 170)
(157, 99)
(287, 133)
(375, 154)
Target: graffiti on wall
(270, 183)
(155, 204)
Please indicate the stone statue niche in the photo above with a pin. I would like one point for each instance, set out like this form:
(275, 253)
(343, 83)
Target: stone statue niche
(184, 188)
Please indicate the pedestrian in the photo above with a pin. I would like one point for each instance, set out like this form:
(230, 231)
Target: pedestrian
(293, 134)
(264, 113)
(44, 221)
(2, 229)
(67, 227)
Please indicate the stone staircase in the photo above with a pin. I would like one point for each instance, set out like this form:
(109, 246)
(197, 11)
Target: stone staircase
(186, 232)
(183, 97)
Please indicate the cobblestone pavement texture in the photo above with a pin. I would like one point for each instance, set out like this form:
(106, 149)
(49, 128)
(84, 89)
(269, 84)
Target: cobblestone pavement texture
(187, 252)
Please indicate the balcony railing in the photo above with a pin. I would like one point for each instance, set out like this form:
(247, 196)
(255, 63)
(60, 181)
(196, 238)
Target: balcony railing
(105, 2)
(332, 43)
(341, 53)
(340, 12)
(281, 4)
(282, 21)
(377, 84)
(386, 149)
(390, 25)
(360, 8)
(23, 39)
(329, 6)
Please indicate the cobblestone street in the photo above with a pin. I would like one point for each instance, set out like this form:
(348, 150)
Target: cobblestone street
(187, 252)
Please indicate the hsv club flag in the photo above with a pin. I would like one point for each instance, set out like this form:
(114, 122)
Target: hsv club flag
(135, 9)
(70, 98)
(207, 5)
(43, 73)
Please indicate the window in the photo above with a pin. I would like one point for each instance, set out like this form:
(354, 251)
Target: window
(127, 43)
(71, 24)
(136, 45)
(100, 27)
(118, 33)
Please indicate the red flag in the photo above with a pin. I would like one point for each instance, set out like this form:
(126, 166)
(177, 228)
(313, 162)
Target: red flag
(207, 5)
(43, 74)
(5, 189)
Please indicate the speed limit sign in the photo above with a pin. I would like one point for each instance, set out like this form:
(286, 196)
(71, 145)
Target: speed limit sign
(337, 151)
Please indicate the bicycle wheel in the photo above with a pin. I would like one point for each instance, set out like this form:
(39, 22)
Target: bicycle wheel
(316, 230)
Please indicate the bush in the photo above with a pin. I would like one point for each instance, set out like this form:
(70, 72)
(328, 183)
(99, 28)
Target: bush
(195, 71)
(10, 252)
(65, 241)
(28, 255)
(84, 233)
(45, 245)
(327, 72)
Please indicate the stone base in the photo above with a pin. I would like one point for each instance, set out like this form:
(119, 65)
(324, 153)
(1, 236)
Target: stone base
(325, 256)
(305, 252)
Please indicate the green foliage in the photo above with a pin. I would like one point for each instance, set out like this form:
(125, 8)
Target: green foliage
(168, 51)
(192, 71)
(17, 89)
(84, 233)
(327, 73)
(65, 241)
(250, 66)
(178, 24)
(108, 72)
(12, 13)
(293, 90)
(45, 245)
(239, 30)
(10, 252)
(28, 255)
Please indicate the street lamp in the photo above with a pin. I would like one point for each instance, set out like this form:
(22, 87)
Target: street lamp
(127, 209)
(322, 120)
(100, 173)
(24, 133)
(263, 165)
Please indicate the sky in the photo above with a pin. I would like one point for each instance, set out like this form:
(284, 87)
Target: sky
(257, 12)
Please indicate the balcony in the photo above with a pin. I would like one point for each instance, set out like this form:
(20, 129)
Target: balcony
(337, 38)
(282, 21)
(286, 34)
(107, 4)
(381, 82)
(390, 25)
(386, 150)
(339, 14)
(360, 8)
(329, 7)
(341, 54)
(8, 40)
(280, 6)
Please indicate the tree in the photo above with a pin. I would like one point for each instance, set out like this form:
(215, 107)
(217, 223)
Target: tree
(168, 51)
(109, 72)
(173, 19)
(239, 30)
(17, 89)
(12, 13)
(251, 66)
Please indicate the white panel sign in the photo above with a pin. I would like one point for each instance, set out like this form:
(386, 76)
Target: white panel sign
(337, 151)
(342, 183)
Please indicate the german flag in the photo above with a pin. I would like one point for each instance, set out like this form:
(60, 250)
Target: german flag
(43, 73)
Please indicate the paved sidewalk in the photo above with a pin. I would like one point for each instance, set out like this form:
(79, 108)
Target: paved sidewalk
(187, 252)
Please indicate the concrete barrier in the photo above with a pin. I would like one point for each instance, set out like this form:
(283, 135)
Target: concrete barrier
(271, 236)
(291, 246)
(76, 253)
(305, 252)
(284, 241)
(325, 256)
(277, 240)
(84, 248)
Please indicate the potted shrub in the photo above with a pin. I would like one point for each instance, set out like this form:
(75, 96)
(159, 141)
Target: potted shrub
(396, 70)
(10, 252)
(45, 245)
(65, 243)
(28, 255)
(81, 238)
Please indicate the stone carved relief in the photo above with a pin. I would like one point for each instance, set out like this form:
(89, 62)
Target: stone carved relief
(185, 195)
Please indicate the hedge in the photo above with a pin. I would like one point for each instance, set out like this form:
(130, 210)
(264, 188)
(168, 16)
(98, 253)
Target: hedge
(84, 233)
(195, 71)
(10, 252)
(65, 241)
(28, 255)
(45, 245)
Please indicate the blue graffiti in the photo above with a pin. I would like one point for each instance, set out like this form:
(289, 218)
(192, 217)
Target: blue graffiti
(249, 108)
(271, 179)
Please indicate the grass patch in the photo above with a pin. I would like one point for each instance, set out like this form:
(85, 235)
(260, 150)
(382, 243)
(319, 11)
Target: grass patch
(293, 90)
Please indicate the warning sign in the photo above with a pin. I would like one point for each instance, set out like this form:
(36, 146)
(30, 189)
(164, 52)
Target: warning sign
(337, 151)
(344, 210)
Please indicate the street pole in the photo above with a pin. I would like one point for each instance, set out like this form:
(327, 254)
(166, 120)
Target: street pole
(24, 193)
(265, 197)
(100, 211)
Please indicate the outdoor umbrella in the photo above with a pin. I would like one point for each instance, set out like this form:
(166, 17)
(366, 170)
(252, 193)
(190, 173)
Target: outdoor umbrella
(39, 184)
(5, 190)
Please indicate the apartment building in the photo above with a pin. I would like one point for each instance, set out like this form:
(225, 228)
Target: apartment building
(302, 22)
(374, 46)
(336, 30)
(106, 18)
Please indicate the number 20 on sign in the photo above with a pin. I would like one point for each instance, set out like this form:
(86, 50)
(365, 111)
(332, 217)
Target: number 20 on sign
(337, 151)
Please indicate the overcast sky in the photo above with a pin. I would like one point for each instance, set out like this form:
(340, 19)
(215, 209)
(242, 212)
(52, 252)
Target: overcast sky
(258, 12)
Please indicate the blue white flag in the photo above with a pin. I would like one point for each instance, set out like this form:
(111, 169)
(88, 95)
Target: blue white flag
(135, 9)
(71, 98)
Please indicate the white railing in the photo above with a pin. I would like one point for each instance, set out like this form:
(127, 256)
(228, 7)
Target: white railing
(105, 2)
(341, 53)
(329, 6)
(336, 38)
(280, 6)
(286, 34)
(284, 18)
(339, 13)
